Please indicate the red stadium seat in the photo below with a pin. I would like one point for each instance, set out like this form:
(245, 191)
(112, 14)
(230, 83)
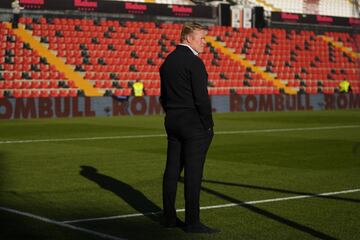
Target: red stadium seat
(54, 84)
(44, 84)
(127, 91)
(72, 93)
(17, 93)
(35, 93)
(54, 93)
(26, 84)
(26, 93)
(64, 93)
(8, 84)
(17, 85)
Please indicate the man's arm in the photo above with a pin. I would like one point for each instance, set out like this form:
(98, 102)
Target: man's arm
(162, 93)
(199, 81)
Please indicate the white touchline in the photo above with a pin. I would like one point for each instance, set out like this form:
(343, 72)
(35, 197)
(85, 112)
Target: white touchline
(61, 224)
(288, 129)
(219, 206)
(164, 135)
(81, 139)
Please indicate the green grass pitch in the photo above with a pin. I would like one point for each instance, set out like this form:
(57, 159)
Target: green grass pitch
(303, 153)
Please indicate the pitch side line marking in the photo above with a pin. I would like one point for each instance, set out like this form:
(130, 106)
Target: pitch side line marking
(164, 135)
(61, 224)
(219, 206)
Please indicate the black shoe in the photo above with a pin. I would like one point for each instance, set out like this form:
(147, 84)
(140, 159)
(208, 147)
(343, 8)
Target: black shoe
(200, 228)
(177, 223)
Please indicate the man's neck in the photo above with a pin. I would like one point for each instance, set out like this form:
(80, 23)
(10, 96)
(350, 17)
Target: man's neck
(187, 45)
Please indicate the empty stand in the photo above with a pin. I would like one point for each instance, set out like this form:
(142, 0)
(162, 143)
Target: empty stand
(23, 72)
(113, 54)
(108, 54)
(301, 59)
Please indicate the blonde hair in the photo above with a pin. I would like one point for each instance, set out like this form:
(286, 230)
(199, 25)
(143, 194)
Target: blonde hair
(189, 28)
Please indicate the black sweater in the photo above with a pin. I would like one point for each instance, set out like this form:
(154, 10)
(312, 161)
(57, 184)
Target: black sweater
(184, 83)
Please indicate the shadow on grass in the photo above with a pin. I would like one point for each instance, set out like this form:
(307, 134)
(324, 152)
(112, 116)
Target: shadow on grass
(266, 213)
(281, 190)
(136, 199)
(132, 228)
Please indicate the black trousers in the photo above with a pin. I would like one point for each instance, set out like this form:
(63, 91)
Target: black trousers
(188, 143)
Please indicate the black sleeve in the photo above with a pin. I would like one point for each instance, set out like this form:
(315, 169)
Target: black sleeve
(199, 81)
(162, 97)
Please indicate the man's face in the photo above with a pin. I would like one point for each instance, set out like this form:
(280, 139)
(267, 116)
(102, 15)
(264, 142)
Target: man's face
(196, 40)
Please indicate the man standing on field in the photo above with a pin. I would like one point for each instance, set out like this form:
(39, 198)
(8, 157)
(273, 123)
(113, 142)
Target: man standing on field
(188, 123)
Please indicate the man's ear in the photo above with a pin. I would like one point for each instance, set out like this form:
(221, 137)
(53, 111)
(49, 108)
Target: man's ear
(189, 38)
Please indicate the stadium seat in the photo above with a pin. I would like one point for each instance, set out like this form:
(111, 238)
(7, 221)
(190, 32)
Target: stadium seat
(17, 93)
(281, 51)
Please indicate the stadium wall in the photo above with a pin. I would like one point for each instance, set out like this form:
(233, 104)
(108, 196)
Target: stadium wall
(296, 18)
(32, 108)
(117, 7)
